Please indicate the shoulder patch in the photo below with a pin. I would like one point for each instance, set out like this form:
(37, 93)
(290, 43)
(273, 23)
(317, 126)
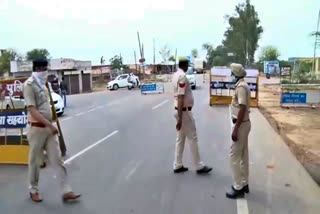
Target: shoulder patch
(182, 85)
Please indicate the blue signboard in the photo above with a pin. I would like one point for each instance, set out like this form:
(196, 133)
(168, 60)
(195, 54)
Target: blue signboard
(300, 98)
(230, 85)
(271, 67)
(149, 87)
(13, 120)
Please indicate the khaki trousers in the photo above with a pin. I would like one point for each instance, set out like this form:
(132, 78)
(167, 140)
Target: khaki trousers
(188, 130)
(239, 157)
(41, 139)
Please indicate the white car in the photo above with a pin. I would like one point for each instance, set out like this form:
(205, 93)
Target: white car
(14, 102)
(192, 78)
(19, 103)
(57, 101)
(120, 81)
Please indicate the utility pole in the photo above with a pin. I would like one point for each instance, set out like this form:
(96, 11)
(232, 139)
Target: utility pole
(154, 57)
(135, 61)
(141, 53)
(316, 43)
(175, 60)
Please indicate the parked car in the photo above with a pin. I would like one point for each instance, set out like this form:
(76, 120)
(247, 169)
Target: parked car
(13, 103)
(57, 101)
(120, 81)
(192, 78)
(19, 103)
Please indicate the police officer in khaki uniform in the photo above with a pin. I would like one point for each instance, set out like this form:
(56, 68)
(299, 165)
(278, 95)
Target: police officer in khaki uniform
(239, 156)
(186, 127)
(42, 134)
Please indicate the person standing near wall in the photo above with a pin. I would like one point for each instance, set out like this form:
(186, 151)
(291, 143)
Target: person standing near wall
(64, 89)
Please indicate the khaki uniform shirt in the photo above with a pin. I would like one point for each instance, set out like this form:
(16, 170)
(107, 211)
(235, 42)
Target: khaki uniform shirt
(181, 86)
(35, 95)
(241, 96)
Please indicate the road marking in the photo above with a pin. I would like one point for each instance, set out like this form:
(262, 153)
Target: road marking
(160, 104)
(133, 170)
(99, 107)
(90, 147)
(81, 113)
(91, 110)
(242, 203)
(67, 118)
(242, 206)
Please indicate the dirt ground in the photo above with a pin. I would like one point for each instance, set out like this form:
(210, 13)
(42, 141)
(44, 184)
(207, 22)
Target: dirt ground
(299, 127)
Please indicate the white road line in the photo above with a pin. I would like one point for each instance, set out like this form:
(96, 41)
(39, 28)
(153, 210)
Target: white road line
(99, 107)
(133, 170)
(242, 206)
(242, 203)
(81, 113)
(90, 147)
(67, 118)
(160, 104)
(91, 110)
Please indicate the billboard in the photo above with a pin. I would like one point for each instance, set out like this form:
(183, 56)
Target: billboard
(12, 87)
(271, 67)
(13, 120)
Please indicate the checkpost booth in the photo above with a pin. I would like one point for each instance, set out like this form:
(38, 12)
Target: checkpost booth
(14, 146)
(222, 88)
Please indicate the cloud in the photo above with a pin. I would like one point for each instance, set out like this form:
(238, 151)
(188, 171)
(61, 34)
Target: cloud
(3, 5)
(99, 11)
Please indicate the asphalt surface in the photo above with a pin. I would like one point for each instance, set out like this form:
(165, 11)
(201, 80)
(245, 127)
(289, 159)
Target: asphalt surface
(127, 142)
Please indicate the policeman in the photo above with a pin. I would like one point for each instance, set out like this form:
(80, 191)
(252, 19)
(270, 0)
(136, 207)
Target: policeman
(186, 127)
(42, 134)
(239, 156)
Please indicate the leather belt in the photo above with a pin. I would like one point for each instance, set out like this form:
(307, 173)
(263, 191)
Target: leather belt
(184, 108)
(38, 125)
(234, 120)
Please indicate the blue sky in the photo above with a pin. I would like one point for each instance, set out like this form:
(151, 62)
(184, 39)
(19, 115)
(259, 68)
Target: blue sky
(87, 30)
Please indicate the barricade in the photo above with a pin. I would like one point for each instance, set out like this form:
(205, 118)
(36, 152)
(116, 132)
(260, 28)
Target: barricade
(222, 89)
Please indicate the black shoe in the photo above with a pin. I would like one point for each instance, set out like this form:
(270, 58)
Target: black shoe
(43, 165)
(246, 189)
(181, 169)
(204, 170)
(234, 194)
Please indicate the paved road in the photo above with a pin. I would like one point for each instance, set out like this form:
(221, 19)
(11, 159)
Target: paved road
(129, 168)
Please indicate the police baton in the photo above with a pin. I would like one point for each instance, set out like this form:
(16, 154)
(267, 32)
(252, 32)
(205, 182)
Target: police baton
(62, 144)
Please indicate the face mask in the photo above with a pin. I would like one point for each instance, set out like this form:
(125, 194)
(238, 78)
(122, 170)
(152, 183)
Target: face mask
(42, 77)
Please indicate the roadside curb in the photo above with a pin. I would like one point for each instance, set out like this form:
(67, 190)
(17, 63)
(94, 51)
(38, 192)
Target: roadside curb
(302, 156)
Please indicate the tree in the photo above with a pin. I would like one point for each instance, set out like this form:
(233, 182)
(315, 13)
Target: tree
(194, 53)
(207, 47)
(38, 54)
(117, 63)
(5, 58)
(172, 59)
(269, 53)
(243, 33)
(165, 53)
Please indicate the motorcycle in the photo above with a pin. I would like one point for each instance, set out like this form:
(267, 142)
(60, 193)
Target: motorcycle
(133, 84)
